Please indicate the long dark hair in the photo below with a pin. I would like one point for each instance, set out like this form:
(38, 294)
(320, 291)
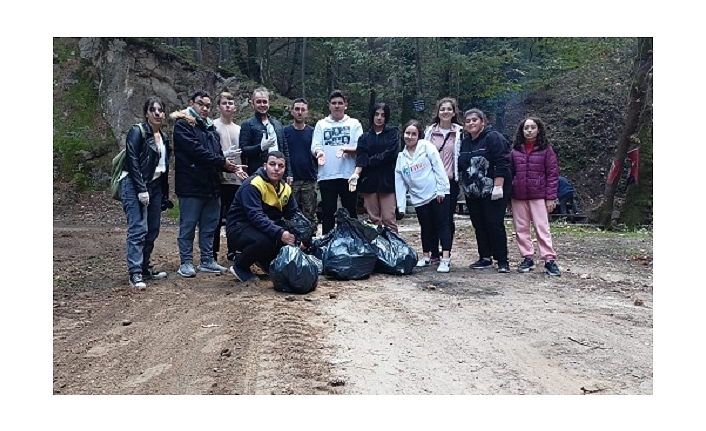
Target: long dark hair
(150, 102)
(386, 112)
(542, 140)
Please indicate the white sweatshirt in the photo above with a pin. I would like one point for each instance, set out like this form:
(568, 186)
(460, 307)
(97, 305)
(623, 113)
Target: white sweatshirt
(330, 136)
(421, 174)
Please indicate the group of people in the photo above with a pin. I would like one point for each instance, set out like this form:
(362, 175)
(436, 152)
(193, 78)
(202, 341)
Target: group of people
(253, 176)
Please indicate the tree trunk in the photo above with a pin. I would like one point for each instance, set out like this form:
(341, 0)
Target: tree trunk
(198, 57)
(293, 67)
(608, 213)
(223, 51)
(264, 57)
(252, 57)
(303, 66)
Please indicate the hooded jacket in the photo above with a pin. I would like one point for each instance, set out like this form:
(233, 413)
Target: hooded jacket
(197, 155)
(481, 160)
(377, 155)
(534, 175)
(330, 136)
(259, 205)
(421, 174)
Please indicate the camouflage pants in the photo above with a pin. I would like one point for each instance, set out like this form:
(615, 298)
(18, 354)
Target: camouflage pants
(304, 192)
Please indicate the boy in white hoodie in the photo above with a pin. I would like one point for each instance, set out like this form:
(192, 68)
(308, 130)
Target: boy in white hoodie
(334, 146)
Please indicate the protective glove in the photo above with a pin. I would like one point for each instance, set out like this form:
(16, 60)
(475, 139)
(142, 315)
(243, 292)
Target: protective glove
(267, 143)
(497, 193)
(232, 151)
(144, 198)
(353, 182)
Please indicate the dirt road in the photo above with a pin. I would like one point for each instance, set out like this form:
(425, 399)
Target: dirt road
(589, 331)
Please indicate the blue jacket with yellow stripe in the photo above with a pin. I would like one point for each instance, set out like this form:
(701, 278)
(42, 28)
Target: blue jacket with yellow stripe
(257, 204)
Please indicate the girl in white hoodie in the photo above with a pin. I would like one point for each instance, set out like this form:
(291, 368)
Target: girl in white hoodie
(420, 172)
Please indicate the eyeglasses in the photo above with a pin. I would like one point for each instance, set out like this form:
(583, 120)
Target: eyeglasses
(157, 110)
(203, 105)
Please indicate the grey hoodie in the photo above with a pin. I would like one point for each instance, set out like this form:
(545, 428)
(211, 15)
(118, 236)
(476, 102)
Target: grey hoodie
(422, 174)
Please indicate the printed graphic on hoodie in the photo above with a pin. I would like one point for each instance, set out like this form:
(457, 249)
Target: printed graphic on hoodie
(408, 170)
(337, 136)
(474, 180)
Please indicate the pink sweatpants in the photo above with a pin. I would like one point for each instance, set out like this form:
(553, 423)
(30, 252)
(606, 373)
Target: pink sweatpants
(381, 208)
(535, 211)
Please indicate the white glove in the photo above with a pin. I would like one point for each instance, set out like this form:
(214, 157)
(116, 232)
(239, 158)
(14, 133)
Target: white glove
(353, 182)
(267, 143)
(497, 193)
(144, 198)
(232, 151)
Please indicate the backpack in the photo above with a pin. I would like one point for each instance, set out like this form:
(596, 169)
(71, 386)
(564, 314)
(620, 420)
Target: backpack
(117, 168)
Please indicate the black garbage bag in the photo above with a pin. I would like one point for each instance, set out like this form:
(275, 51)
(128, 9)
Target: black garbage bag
(395, 256)
(301, 227)
(347, 253)
(294, 271)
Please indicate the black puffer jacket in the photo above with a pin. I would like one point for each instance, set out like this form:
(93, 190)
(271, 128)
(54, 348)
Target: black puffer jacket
(197, 155)
(142, 157)
(377, 155)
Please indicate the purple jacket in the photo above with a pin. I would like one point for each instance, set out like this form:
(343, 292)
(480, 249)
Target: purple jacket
(534, 175)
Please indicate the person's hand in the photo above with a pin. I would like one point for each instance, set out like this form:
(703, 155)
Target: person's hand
(353, 182)
(440, 198)
(290, 180)
(144, 198)
(550, 205)
(232, 151)
(241, 171)
(267, 143)
(320, 157)
(288, 238)
(230, 165)
(497, 193)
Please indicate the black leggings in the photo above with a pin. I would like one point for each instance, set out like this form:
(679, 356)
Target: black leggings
(488, 219)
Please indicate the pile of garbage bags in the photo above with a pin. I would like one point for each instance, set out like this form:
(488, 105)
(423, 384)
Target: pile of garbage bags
(351, 251)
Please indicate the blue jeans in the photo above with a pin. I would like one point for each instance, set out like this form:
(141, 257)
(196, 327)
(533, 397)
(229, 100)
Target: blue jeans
(205, 213)
(143, 223)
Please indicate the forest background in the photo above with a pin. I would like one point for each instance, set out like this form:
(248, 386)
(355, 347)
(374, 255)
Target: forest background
(595, 94)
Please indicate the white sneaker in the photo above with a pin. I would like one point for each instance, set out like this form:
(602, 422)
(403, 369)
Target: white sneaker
(444, 265)
(425, 261)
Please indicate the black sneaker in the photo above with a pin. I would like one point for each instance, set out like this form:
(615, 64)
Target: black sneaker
(526, 265)
(242, 274)
(503, 267)
(231, 256)
(137, 282)
(151, 274)
(551, 268)
(482, 263)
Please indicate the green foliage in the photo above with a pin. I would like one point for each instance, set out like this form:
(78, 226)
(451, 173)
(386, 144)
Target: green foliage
(74, 119)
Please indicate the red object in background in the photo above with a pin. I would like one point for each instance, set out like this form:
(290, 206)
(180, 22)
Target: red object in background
(614, 170)
(634, 157)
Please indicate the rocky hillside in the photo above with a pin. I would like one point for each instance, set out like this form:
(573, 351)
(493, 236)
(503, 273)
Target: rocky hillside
(100, 84)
